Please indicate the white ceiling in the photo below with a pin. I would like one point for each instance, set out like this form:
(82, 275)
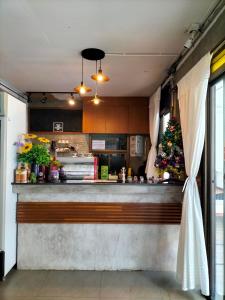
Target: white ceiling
(41, 40)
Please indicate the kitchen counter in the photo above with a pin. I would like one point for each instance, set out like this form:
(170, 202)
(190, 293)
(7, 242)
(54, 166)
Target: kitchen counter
(99, 182)
(98, 226)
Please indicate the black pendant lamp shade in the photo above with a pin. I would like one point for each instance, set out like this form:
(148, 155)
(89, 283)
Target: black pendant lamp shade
(93, 54)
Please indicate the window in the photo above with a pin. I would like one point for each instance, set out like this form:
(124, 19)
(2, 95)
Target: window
(165, 120)
(217, 167)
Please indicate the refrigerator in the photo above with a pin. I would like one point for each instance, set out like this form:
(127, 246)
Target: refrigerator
(13, 121)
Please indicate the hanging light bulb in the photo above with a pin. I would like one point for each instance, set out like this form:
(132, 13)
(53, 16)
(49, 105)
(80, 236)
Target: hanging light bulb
(82, 88)
(71, 100)
(96, 100)
(99, 76)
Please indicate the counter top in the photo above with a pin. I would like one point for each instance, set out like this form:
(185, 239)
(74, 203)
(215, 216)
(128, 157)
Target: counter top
(103, 191)
(83, 182)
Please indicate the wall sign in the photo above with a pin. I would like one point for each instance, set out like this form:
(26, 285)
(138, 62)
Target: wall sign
(58, 126)
(98, 144)
(42, 119)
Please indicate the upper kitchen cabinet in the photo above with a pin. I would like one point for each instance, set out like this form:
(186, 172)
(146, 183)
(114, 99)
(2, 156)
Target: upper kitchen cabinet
(117, 119)
(116, 115)
(46, 119)
(139, 118)
(93, 117)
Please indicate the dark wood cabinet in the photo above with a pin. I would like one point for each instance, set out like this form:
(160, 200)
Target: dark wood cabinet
(138, 119)
(93, 118)
(116, 119)
(116, 115)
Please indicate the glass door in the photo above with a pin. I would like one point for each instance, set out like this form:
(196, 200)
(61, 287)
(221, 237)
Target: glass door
(217, 162)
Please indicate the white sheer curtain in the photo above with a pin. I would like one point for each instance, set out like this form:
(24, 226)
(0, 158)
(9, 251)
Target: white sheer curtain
(192, 266)
(154, 102)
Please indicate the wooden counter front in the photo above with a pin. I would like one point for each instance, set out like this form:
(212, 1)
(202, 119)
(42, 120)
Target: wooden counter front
(89, 212)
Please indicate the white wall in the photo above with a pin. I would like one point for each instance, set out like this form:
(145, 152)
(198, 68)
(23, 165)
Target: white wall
(16, 123)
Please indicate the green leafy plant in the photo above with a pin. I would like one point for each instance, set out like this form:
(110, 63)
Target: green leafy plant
(38, 154)
(33, 178)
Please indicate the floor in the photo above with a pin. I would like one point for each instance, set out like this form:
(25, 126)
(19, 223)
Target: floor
(92, 285)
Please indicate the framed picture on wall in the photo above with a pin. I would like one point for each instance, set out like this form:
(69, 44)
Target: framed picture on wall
(57, 126)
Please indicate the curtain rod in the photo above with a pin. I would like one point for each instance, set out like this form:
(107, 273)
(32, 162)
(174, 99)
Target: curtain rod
(185, 53)
(201, 37)
(20, 96)
(52, 92)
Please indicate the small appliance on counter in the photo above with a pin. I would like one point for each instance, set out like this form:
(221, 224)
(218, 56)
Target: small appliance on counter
(64, 146)
(79, 168)
(136, 145)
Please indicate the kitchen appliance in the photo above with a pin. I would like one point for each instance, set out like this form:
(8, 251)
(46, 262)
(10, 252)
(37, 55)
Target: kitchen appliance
(79, 168)
(13, 121)
(136, 145)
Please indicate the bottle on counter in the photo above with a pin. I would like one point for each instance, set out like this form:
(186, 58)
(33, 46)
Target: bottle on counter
(123, 171)
(129, 175)
(61, 174)
(40, 177)
(28, 168)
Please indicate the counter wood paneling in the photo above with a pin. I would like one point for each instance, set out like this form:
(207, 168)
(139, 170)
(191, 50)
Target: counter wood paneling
(89, 212)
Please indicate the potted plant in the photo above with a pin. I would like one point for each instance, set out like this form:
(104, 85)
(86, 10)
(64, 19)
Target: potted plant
(34, 151)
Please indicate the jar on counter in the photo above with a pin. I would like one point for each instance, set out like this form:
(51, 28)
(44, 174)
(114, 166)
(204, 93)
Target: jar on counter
(23, 175)
(53, 176)
(17, 177)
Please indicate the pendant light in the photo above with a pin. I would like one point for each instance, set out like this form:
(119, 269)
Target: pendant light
(96, 100)
(99, 76)
(82, 88)
(71, 100)
(44, 98)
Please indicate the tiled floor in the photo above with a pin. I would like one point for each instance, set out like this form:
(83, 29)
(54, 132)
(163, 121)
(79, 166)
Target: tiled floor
(69, 285)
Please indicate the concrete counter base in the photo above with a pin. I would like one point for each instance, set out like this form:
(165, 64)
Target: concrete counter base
(98, 246)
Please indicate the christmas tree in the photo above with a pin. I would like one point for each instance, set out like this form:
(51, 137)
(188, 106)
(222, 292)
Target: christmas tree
(171, 156)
